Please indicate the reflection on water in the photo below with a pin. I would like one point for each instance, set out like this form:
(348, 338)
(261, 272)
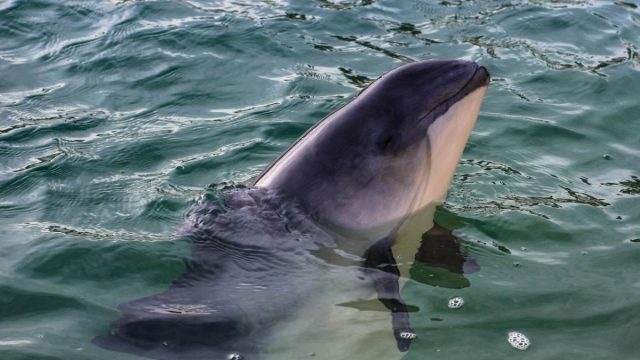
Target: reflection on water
(628, 187)
(440, 260)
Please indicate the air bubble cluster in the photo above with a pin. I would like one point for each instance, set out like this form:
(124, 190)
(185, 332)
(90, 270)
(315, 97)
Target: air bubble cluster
(235, 357)
(456, 302)
(408, 335)
(518, 340)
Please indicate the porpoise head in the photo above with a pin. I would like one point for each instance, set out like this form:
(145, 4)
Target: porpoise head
(389, 152)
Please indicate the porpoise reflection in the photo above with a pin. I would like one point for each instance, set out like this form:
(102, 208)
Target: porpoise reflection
(309, 260)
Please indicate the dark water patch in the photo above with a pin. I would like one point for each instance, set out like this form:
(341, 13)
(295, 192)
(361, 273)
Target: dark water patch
(29, 129)
(296, 16)
(401, 29)
(312, 84)
(219, 162)
(143, 208)
(14, 210)
(311, 72)
(439, 276)
(357, 80)
(575, 197)
(39, 161)
(17, 157)
(87, 24)
(495, 206)
(77, 259)
(531, 204)
(27, 354)
(19, 304)
(626, 4)
(345, 5)
(633, 54)
(488, 165)
(139, 157)
(163, 210)
(324, 47)
(407, 28)
(514, 89)
(29, 180)
(28, 96)
(288, 130)
(627, 187)
(371, 46)
(558, 61)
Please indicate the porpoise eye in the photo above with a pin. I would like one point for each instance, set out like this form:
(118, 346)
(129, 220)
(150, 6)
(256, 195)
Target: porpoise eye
(386, 142)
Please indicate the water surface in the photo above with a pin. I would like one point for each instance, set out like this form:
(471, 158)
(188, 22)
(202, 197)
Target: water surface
(115, 115)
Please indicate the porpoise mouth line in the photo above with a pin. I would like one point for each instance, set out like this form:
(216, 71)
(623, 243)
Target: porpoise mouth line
(465, 90)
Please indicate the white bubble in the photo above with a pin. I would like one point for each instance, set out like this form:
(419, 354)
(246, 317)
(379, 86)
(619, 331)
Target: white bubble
(518, 340)
(456, 302)
(408, 335)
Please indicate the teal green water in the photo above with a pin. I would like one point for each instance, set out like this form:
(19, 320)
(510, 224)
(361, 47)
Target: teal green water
(115, 115)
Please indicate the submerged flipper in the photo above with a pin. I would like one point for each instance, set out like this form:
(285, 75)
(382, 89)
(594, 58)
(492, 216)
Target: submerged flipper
(381, 267)
(439, 262)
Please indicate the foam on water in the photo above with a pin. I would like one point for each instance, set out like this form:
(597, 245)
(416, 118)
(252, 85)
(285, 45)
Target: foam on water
(518, 340)
(456, 302)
